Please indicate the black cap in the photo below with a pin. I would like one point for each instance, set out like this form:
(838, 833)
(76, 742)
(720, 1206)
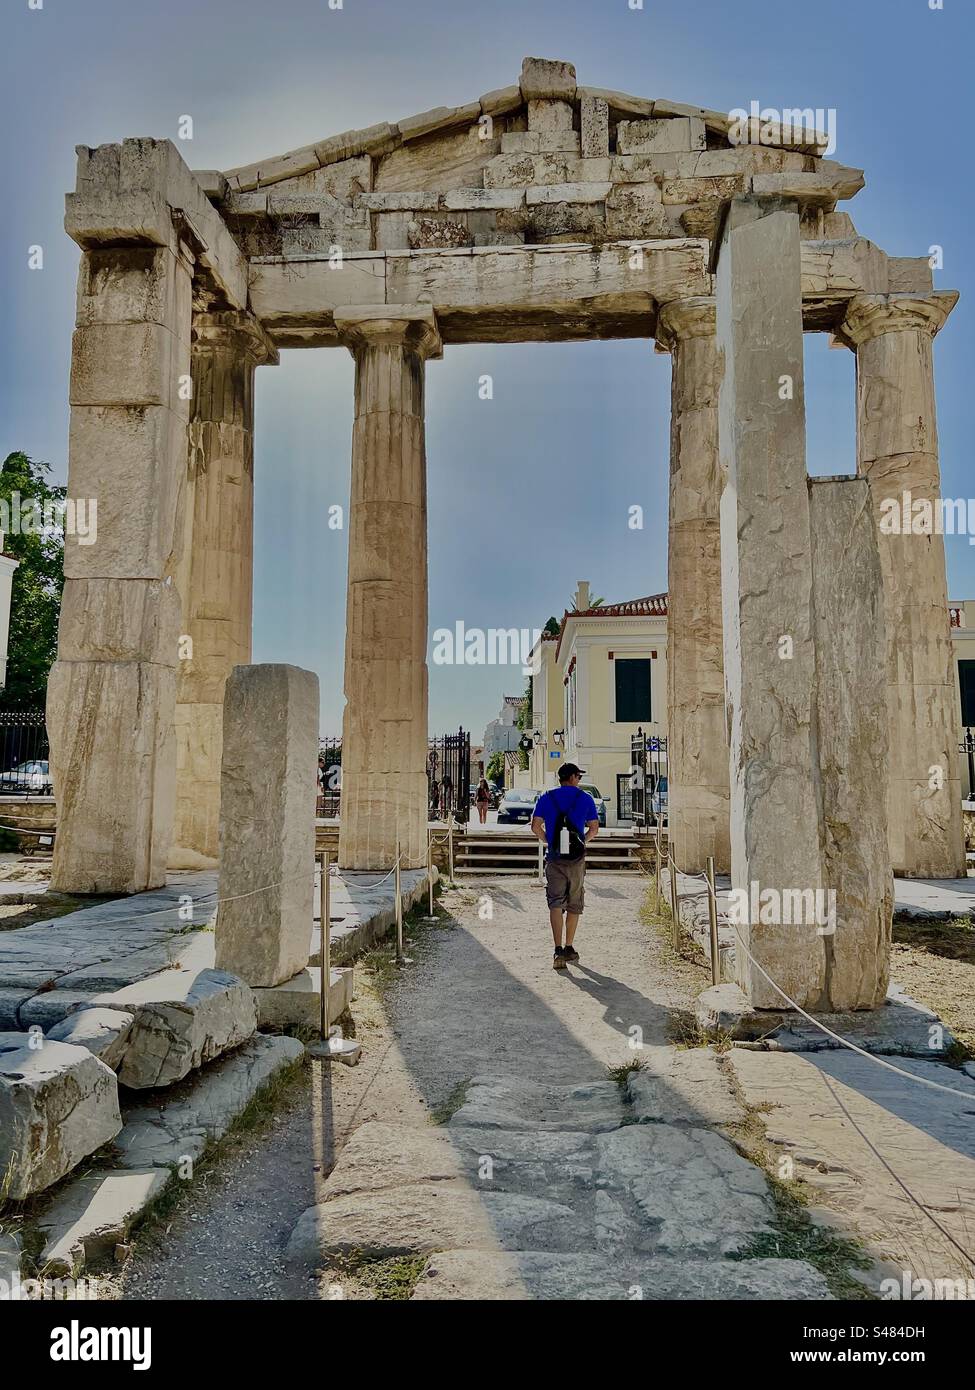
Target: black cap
(568, 770)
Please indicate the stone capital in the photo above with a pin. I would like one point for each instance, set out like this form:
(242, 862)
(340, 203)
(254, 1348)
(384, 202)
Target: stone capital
(411, 326)
(685, 318)
(241, 332)
(870, 316)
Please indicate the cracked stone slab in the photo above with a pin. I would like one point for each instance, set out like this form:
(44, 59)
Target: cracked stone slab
(419, 1219)
(685, 1190)
(529, 1275)
(201, 1109)
(686, 1086)
(183, 1018)
(512, 1103)
(58, 1104)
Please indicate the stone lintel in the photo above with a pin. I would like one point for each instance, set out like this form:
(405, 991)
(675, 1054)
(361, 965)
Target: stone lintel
(870, 315)
(413, 326)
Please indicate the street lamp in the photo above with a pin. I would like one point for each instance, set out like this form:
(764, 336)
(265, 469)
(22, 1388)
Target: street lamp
(558, 736)
(968, 746)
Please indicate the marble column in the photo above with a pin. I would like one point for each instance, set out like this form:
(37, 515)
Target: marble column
(112, 690)
(897, 451)
(216, 579)
(384, 732)
(697, 727)
(767, 592)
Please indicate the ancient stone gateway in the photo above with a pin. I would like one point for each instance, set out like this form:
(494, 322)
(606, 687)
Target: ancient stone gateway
(542, 211)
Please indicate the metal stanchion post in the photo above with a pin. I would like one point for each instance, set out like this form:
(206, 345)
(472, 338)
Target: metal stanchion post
(450, 847)
(713, 918)
(397, 880)
(656, 879)
(430, 871)
(323, 910)
(673, 898)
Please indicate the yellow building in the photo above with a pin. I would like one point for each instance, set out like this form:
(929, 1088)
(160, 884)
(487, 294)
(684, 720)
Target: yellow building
(603, 678)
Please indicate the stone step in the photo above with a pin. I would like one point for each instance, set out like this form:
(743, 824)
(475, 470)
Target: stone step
(158, 1144)
(531, 1274)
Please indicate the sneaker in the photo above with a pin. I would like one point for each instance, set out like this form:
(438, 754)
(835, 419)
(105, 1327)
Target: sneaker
(558, 960)
(570, 953)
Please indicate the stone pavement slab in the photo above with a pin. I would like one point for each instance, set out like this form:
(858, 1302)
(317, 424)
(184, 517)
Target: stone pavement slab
(816, 1107)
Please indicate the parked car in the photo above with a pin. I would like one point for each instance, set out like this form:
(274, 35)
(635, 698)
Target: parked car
(658, 802)
(517, 806)
(599, 799)
(34, 776)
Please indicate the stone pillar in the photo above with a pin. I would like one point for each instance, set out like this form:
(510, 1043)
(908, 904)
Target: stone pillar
(769, 656)
(112, 690)
(697, 756)
(384, 732)
(897, 451)
(216, 578)
(267, 823)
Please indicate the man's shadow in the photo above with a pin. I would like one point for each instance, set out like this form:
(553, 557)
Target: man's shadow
(622, 1006)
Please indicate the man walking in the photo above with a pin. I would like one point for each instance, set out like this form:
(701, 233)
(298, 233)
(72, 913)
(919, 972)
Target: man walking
(565, 820)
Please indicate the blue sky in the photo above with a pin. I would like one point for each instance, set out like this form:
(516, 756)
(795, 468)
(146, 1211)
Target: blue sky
(528, 492)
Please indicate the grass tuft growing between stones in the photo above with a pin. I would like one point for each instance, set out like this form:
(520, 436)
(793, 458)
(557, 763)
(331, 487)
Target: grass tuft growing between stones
(390, 1279)
(379, 962)
(796, 1237)
(451, 1103)
(622, 1072)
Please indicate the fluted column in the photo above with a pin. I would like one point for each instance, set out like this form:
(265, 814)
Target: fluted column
(216, 579)
(897, 450)
(384, 732)
(697, 726)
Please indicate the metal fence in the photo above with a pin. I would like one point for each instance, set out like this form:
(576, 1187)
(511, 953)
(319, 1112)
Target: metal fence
(24, 765)
(329, 776)
(448, 776)
(648, 764)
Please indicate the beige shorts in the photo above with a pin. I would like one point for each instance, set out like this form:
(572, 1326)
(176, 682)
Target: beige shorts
(565, 883)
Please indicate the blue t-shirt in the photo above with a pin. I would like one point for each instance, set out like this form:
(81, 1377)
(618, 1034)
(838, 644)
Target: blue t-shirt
(578, 806)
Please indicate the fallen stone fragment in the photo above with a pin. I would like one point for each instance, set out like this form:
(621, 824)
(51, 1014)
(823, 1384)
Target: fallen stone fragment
(183, 1018)
(58, 1104)
(104, 1032)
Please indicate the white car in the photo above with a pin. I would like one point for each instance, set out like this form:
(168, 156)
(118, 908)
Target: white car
(34, 776)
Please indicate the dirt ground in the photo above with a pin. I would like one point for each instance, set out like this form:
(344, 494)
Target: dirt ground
(935, 962)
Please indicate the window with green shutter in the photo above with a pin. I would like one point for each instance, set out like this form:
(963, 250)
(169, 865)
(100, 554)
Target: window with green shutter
(966, 679)
(633, 691)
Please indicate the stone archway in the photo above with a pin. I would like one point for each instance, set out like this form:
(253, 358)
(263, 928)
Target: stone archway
(542, 211)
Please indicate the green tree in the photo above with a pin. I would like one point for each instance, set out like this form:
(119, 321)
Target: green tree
(494, 771)
(35, 601)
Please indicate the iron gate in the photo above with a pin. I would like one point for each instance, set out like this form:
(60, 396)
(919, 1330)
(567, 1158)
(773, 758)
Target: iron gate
(449, 776)
(648, 764)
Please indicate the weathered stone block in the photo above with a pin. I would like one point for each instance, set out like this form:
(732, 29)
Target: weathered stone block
(544, 77)
(120, 620)
(103, 1032)
(267, 822)
(297, 1003)
(660, 136)
(112, 756)
(594, 121)
(58, 1104)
